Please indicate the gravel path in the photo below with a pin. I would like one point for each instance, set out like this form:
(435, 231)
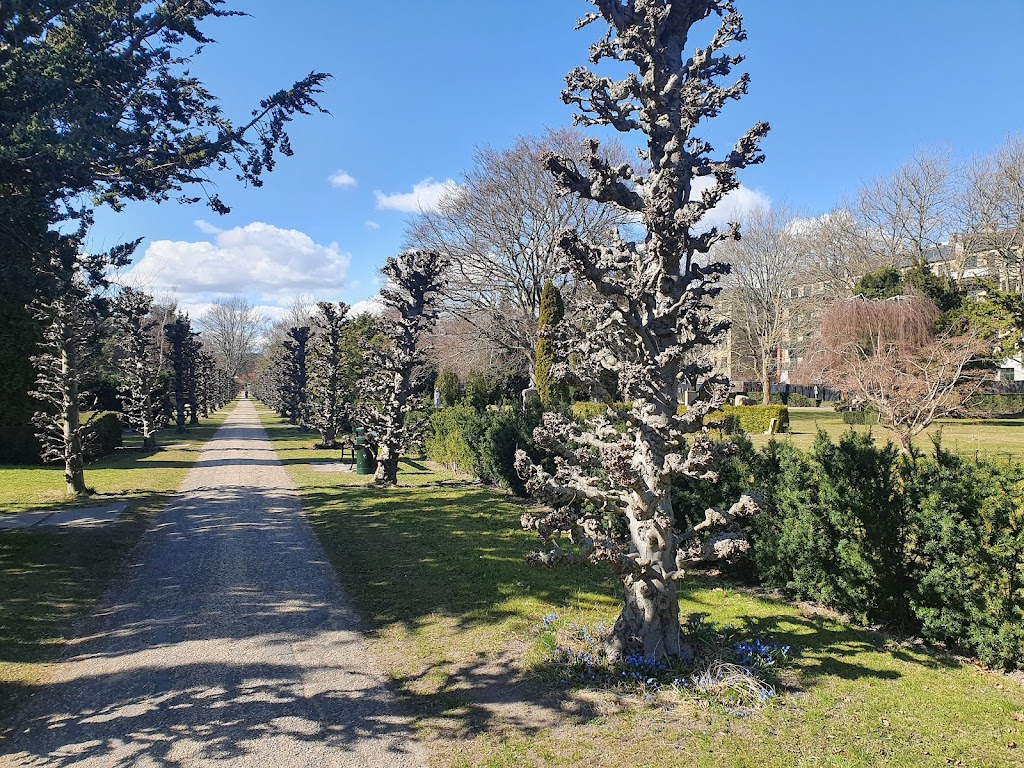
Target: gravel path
(229, 643)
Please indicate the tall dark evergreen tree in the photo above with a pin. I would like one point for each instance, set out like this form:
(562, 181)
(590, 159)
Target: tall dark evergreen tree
(296, 375)
(99, 106)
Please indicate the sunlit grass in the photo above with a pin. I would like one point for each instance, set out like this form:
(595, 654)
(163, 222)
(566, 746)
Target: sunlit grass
(1000, 439)
(436, 567)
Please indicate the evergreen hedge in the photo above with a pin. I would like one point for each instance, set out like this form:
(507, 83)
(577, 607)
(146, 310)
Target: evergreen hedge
(482, 443)
(752, 419)
(103, 434)
(931, 545)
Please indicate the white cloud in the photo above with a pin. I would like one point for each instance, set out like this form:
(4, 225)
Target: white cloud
(342, 180)
(425, 196)
(372, 225)
(733, 207)
(206, 227)
(373, 305)
(267, 264)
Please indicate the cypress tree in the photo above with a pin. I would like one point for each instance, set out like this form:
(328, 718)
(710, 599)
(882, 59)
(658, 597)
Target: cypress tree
(552, 310)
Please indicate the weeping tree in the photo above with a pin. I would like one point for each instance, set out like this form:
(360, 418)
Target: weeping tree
(179, 334)
(70, 311)
(410, 296)
(329, 409)
(651, 327)
(137, 365)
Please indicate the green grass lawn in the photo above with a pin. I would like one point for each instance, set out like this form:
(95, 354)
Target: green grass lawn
(1000, 439)
(51, 576)
(436, 566)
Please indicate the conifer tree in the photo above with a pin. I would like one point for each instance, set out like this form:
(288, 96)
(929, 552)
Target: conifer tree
(179, 333)
(552, 310)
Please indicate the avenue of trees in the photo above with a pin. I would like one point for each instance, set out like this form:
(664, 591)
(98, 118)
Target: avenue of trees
(564, 306)
(101, 108)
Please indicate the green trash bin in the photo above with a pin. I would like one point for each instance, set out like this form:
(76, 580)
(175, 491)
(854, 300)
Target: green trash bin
(366, 462)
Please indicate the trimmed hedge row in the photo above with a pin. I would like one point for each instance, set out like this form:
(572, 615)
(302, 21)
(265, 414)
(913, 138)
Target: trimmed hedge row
(752, 419)
(932, 545)
(103, 434)
(1009, 404)
(481, 443)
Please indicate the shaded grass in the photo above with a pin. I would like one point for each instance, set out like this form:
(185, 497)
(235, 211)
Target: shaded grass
(51, 576)
(999, 439)
(436, 564)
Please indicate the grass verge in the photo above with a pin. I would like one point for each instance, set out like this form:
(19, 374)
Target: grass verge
(1000, 439)
(51, 576)
(436, 565)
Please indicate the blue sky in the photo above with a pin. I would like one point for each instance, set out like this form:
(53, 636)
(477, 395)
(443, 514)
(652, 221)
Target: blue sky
(850, 89)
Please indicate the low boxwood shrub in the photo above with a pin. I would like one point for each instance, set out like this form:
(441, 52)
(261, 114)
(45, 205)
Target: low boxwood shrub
(752, 419)
(865, 416)
(482, 443)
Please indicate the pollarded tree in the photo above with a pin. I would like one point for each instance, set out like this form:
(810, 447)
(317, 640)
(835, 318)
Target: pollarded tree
(70, 311)
(611, 488)
(328, 407)
(179, 334)
(137, 364)
(193, 350)
(414, 280)
(295, 393)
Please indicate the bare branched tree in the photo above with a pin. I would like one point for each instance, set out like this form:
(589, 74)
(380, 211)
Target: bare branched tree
(764, 290)
(500, 233)
(232, 330)
(652, 327)
(890, 354)
(993, 215)
(903, 216)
